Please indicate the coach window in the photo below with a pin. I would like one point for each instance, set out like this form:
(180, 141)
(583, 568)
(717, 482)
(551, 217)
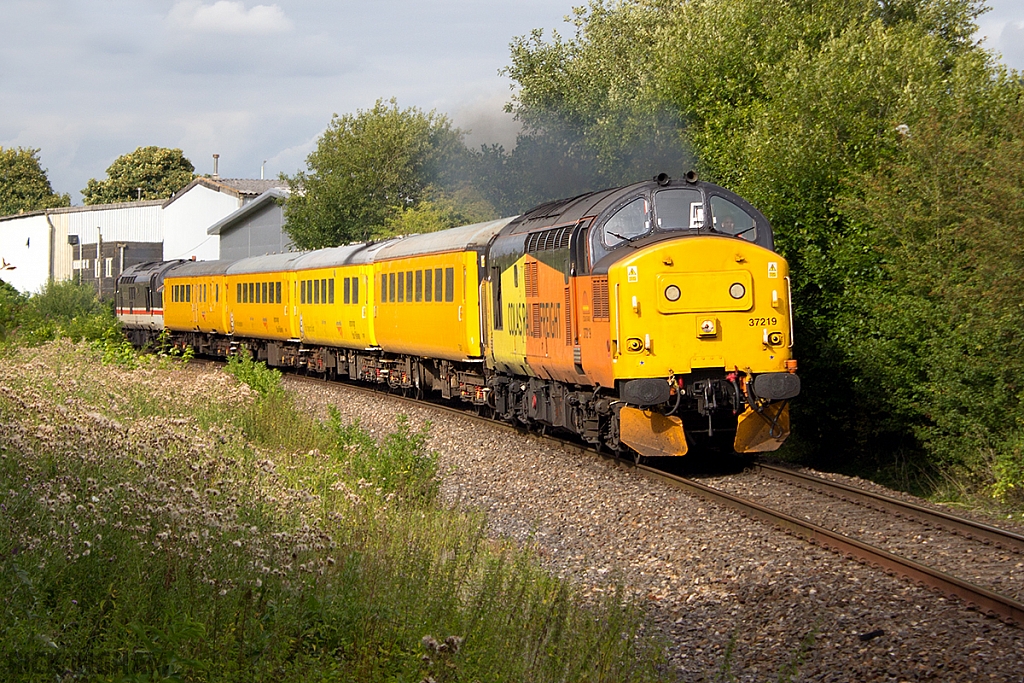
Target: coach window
(449, 284)
(419, 286)
(277, 290)
(428, 284)
(383, 288)
(401, 287)
(355, 290)
(408, 286)
(238, 292)
(252, 292)
(438, 284)
(391, 288)
(348, 291)
(330, 291)
(323, 290)
(188, 293)
(316, 291)
(263, 293)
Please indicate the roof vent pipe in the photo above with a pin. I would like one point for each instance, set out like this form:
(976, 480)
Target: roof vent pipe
(216, 175)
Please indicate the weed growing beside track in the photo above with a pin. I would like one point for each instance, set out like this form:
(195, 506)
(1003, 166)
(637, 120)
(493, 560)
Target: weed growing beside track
(164, 523)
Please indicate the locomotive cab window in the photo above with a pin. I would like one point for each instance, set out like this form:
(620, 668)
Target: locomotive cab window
(679, 209)
(732, 219)
(628, 223)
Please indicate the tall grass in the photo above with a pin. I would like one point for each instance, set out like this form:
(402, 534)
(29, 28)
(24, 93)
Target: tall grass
(154, 528)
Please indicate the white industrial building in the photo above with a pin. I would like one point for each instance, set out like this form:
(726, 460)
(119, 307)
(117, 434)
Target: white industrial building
(95, 243)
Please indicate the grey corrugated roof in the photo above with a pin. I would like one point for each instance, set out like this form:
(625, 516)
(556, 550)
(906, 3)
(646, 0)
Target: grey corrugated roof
(89, 207)
(232, 219)
(249, 186)
(462, 238)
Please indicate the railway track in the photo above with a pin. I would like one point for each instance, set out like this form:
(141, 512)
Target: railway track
(994, 603)
(990, 602)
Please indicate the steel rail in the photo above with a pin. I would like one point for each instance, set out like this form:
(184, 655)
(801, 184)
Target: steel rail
(1001, 538)
(988, 602)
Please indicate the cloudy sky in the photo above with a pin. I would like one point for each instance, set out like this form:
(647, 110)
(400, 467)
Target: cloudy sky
(88, 81)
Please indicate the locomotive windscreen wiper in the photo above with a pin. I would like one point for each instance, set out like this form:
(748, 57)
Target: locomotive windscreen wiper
(627, 240)
(741, 232)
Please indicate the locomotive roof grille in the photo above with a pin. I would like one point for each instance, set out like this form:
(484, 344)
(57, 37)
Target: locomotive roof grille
(546, 240)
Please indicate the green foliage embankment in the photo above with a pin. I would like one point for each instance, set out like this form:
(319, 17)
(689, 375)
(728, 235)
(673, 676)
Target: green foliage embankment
(169, 523)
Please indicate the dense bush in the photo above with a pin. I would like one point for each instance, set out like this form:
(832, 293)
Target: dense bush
(61, 309)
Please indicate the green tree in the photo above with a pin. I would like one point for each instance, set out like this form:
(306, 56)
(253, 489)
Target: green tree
(367, 169)
(23, 183)
(935, 324)
(146, 173)
(439, 211)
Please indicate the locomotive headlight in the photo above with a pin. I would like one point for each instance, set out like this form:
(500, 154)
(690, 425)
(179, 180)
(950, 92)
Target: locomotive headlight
(672, 293)
(737, 290)
(774, 338)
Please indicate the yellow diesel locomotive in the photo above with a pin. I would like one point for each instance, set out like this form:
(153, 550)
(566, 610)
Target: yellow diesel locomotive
(650, 318)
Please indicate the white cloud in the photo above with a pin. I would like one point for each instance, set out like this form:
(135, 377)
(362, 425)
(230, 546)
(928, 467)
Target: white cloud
(1011, 44)
(228, 16)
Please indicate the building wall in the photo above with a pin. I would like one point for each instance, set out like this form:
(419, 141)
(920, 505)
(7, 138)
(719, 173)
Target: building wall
(114, 257)
(257, 235)
(186, 219)
(25, 248)
(134, 222)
